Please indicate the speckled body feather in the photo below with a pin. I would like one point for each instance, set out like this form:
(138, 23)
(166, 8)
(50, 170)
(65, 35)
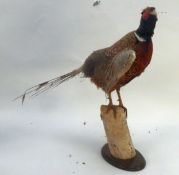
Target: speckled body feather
(96, 64)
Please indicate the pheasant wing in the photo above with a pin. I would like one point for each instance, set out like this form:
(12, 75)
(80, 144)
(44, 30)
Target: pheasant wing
(119, 65)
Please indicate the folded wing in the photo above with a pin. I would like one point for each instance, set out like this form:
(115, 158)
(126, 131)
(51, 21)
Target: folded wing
(119, 65)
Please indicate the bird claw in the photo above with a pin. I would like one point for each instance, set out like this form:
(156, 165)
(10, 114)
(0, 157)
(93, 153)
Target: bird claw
(125, 109)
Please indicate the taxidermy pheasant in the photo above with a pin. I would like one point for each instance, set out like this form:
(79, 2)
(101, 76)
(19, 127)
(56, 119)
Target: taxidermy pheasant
(113, 67)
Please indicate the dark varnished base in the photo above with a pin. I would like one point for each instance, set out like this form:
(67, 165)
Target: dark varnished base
(135, 164)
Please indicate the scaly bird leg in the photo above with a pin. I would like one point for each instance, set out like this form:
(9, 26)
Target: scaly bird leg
(120, 101)
(110, 105)
(110, 100)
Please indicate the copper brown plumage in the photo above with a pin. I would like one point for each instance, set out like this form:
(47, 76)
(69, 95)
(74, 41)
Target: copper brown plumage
(113, 67)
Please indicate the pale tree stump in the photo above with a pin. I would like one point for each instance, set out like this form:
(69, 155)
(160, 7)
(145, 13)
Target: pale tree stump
(119, 151)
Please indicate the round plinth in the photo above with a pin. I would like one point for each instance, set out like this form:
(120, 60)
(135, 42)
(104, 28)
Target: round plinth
(135, 164)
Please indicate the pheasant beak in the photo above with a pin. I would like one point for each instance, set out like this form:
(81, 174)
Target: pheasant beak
(153, 12)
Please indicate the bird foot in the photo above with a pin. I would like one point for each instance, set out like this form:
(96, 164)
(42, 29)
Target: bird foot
(125, 109)
(111, 107)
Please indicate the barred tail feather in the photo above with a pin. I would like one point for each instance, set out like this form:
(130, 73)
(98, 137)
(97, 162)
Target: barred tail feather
(42, 87)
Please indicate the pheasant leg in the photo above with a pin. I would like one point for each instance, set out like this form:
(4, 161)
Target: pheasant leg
(110, 105)
(120, 101)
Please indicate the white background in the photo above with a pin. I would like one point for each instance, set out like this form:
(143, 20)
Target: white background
(41, 39)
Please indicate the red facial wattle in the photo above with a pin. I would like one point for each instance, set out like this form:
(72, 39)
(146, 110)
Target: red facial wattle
(145, 15)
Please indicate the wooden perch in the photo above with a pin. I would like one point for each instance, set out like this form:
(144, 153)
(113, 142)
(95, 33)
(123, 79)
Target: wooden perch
(117, 132)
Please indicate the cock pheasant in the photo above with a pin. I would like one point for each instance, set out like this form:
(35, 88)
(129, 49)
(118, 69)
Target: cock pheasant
(113, 67)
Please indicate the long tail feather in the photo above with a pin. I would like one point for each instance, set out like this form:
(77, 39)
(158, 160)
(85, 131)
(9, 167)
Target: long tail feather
(42, 87)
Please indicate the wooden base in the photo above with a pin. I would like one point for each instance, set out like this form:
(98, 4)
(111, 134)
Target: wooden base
(136, 163)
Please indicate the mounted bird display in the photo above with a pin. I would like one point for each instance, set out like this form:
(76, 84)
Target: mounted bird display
(113, 67)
